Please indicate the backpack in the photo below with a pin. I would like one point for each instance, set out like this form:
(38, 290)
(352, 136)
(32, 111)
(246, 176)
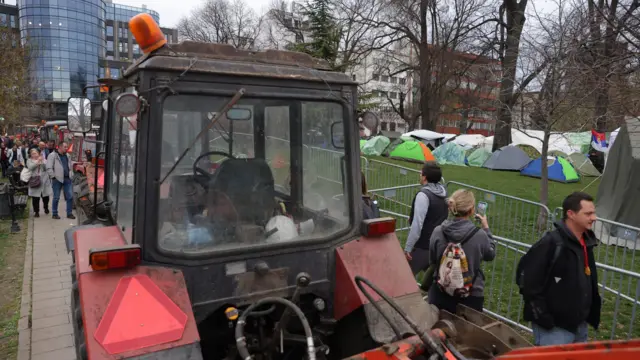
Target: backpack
(523, 268)
(454, 277)
(370, 208)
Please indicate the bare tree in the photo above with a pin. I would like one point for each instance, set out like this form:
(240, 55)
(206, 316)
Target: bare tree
(16, 87)
(512, 16)
(357, 36)
(552, 47)
(223, 21)
(440, 35)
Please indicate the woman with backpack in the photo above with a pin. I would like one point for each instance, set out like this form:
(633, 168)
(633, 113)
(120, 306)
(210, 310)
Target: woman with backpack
(456, 251)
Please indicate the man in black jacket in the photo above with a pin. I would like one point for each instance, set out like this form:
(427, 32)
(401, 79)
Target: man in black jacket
(561, 286)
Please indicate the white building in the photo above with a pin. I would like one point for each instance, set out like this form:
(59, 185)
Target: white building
(384, 74)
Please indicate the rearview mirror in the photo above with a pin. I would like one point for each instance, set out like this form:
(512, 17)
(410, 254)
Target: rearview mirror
(79, 114)
(337, 135)
(234, 114)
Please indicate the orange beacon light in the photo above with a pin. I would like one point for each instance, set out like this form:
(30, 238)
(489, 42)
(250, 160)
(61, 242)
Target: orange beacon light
(147, 33)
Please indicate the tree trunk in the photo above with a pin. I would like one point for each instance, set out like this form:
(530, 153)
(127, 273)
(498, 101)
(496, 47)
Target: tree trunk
(543, 216)
(515, 19)
(464, 122)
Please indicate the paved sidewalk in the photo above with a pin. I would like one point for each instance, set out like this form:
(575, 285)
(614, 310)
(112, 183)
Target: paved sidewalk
(51, 333)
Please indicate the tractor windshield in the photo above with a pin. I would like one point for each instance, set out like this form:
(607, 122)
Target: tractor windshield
(266, 172)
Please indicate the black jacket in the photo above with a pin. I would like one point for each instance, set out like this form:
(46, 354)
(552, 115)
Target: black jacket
(570, 296)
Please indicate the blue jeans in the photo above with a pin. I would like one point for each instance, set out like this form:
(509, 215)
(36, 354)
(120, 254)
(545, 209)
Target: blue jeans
(559, 336)
(67, 186)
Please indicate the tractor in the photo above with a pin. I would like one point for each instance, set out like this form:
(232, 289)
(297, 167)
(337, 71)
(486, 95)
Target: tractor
(223, 234)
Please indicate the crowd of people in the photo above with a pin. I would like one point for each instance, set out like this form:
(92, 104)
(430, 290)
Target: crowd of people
(44, 168)
(449, 239)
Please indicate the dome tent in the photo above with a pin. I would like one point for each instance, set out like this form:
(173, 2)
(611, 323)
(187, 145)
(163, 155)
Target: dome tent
(414, 151)
(478, 156)
(583, 165)
(375, 146)
(507, 158)
(559, 169)
(530, 150)
(450, 153)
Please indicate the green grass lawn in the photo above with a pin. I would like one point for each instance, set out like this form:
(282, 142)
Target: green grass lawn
(12, 248)
(513, 219)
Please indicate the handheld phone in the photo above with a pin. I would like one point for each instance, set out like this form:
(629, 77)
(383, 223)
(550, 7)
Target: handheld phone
(482, 208)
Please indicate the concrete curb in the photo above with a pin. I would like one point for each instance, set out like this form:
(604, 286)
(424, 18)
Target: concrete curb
(24, 324)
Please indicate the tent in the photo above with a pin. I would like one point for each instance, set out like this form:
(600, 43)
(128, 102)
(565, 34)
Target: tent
(428, 137)
(508, 158)
(478, 156)
(450, 153)
(559, 169)
(531, 151)
(412, 151)
(558, 153)
(619, 187)
(394, 144)
(375, 146)
(583, 165)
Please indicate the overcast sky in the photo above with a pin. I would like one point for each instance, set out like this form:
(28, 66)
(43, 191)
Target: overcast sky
(172, 11)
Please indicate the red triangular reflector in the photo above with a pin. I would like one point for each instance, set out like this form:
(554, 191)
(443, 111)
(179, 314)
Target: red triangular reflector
(139, 315)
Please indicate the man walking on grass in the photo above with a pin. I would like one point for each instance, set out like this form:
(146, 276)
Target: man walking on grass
(558, 277)
(59, 170)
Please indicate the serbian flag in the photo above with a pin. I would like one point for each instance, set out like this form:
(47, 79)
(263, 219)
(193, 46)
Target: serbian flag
(599, 141)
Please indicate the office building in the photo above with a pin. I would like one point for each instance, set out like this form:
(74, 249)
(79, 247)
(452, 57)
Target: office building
(122, 48)
(75, 42)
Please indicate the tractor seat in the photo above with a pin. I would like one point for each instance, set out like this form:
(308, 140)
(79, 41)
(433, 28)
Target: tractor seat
(249, 186)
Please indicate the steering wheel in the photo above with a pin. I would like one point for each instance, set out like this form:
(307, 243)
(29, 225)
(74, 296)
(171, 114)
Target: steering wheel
(197, 170)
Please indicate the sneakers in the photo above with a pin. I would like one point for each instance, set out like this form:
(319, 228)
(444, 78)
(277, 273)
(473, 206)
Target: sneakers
(70, 216)
(55, 217)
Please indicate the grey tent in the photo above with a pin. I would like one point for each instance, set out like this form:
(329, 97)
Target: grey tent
(619, 189)
(508, 158)
(583, 165)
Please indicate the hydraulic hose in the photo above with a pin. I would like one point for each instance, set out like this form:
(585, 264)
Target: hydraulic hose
(241, 341)
(424, 336)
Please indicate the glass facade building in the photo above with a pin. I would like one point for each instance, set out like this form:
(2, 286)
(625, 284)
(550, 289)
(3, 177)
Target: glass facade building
(123, 13)
(69, 38)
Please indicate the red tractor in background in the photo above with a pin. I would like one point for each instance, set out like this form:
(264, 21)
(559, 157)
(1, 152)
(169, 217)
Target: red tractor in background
(187, 260)
(89, 171)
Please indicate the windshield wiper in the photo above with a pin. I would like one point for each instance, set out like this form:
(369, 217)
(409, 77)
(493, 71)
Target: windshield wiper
(214, 120)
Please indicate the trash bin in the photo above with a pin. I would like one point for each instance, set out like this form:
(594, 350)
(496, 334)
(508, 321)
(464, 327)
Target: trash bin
(5, 200)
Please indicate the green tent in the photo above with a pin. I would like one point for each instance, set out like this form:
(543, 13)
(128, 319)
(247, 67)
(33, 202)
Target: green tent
(583, 165)
(450, 153)
(478, 156)
(529, 150)
(375, 146)
(581, 140)
(414, 151)
(394, 144)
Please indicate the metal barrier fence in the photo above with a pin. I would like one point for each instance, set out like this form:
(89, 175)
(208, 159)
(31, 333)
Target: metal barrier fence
(516, 224)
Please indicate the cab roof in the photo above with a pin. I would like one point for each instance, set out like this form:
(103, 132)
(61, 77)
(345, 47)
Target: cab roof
(225, 59)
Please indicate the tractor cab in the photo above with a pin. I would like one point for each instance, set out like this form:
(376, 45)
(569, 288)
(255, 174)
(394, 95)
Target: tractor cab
(232, 207)
(54, 130)
(213, 180)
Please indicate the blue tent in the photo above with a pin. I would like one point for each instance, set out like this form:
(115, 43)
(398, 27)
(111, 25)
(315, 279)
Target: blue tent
(559, 169)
